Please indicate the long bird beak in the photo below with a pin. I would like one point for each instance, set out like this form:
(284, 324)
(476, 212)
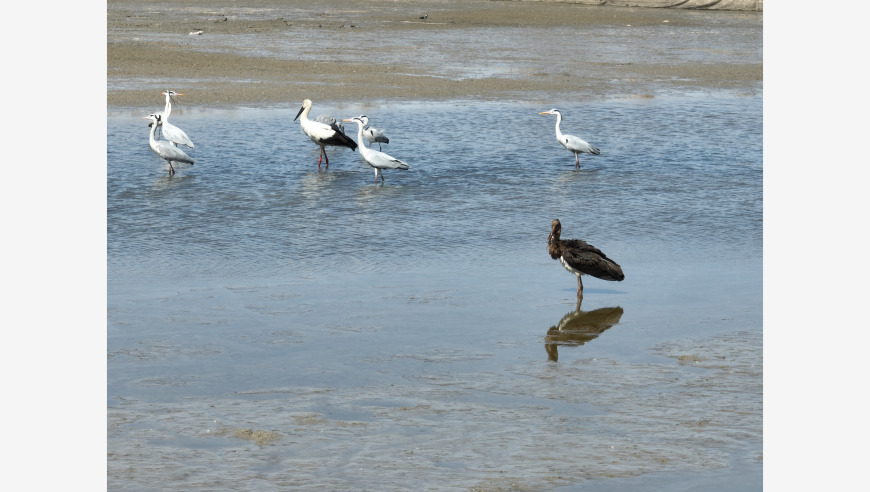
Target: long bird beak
(545, 112)
(300, 112)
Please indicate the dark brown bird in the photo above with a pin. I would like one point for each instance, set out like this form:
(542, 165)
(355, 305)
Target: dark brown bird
(581, 258)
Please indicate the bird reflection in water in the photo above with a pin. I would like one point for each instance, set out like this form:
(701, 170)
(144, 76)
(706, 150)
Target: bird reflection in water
(579, 327)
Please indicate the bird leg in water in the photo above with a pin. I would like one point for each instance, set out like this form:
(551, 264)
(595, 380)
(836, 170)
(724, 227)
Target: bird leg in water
(171, 169)
(579, 288)
(577, 163)
(322, 155)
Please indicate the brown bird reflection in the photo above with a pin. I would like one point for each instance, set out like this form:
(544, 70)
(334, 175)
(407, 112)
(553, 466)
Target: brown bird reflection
(579, 327)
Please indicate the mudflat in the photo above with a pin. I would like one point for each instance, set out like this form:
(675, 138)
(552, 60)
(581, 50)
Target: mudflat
(269, 52)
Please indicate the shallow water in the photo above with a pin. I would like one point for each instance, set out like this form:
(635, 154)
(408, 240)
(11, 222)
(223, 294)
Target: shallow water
(402, 336)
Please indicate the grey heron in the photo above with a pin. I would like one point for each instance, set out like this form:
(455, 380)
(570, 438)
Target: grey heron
(168, 130)
(374, 158)
(373, 134)
(163, 148)
(323, 131)
(581, 258)
(575, 144)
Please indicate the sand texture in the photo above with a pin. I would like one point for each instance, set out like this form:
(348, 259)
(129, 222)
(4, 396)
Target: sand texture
(263, 53)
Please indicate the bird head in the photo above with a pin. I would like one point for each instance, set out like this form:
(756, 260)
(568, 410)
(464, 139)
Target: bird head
(555, 231)
(154, 119)
(552, 111)
(360, 120)
(171, 94)
(305, 104)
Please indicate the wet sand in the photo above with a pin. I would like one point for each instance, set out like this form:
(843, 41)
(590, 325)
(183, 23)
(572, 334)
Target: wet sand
(237, 60)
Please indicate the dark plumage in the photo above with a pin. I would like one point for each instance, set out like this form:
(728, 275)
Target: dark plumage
(581, 258)
(579, 327)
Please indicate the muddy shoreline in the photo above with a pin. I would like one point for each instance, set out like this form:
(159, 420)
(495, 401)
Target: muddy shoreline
(222, 55)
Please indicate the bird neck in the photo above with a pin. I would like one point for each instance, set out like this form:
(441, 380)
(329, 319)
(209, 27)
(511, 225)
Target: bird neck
(558, 124)
(151, 139)
(168, 108)
(360, 139)
(555, 248)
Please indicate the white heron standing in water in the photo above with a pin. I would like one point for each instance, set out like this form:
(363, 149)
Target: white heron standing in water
(375, 158)
(168, 130)
(575, 144)
(163, 148)
(323, 130)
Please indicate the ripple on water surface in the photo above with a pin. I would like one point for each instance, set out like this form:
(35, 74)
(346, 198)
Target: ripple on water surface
(272, 325)
(682, 171)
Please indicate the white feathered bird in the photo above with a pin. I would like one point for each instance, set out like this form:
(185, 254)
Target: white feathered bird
(323, 130)
(374, 158)
(575, 144)
(168, 130)
(163, 148)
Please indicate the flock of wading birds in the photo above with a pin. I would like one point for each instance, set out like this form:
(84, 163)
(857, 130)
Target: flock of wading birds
(576, 255)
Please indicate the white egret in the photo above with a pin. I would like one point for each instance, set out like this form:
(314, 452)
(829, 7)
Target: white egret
(323, 132)
(575, 144)
(374, 158)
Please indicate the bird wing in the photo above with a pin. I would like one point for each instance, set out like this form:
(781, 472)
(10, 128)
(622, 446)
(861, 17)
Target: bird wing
(175, 134)
(577, 144)
(171, 152)
(323, 133)
(330, 122)
(377, 135)
(325, 119)
(580, 245)
(588, 259)
(381, 160)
